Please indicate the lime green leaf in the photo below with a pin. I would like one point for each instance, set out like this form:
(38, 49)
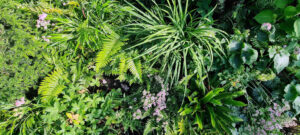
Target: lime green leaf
(199, 121)
(186, 111)
(266, 77)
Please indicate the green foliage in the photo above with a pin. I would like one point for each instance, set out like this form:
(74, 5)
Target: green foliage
(21, 60)
(51, 86)
(168, 37)
(213, 105)
(265, 16)
(241, 53)
(112, 51)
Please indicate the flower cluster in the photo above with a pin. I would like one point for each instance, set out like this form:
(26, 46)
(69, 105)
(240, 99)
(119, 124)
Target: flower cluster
(270, 120)
(20, 102)
(41, 22)
(137, 114)
(158, 101)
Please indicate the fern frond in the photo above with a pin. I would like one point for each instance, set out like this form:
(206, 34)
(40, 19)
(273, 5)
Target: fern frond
(111, 45)
(122, 69)
(50, 86)
(148, 128)
(135, 68)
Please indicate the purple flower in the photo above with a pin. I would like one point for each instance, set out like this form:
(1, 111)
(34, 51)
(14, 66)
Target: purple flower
(42, 16)
(266, 26)
(20, 102)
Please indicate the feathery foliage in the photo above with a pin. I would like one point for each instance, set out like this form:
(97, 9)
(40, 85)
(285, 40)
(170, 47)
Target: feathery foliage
(51, 86)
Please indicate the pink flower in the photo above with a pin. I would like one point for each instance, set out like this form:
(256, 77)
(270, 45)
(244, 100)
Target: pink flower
(266, 26)
(20, 102)
(42, 16)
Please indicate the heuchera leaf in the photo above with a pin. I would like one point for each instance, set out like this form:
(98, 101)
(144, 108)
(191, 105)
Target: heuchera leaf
(281, 61)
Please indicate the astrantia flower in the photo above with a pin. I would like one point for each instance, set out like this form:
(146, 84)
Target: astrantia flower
(20, 102)
(266, 26)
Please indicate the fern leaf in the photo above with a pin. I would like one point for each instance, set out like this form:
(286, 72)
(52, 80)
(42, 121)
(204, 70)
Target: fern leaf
(111, 45)
(135, 68)
(122, 69)
(50, 86)
(148, 128)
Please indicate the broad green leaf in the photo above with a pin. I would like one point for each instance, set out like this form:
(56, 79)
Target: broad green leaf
(249, 55)
(281, 61)
(290, 92)
(265, 16)
(290, 11)
(297, 27)
(235, 60)
(281, 3)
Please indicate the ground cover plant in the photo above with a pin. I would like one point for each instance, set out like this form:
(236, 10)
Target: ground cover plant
(168, 67)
